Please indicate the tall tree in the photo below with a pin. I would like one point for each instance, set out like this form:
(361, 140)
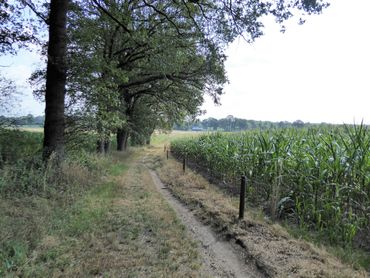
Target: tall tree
(55, 80)
(143, 28)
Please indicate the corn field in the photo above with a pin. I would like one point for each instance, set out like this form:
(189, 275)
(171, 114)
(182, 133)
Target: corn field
(321, 174)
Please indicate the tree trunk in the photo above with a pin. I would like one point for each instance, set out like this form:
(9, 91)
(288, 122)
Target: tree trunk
(122, 139)
(100, 146)
(106, 145)
(120, 136)
(55, 80)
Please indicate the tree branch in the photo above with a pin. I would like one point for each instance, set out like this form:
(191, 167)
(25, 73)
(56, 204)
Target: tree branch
(100, 7)
(189, 14)
(38, 14)
(165, 16)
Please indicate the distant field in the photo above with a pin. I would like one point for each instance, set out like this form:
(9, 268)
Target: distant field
(164, 138)
(158, 137)
(32, 128)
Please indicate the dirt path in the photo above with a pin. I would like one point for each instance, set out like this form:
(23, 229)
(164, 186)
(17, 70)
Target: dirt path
(220, 258)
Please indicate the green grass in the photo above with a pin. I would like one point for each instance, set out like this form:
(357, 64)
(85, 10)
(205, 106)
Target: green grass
(64, 217)
(71, 206)
(117, 169)
(86, 214)
(16, 145)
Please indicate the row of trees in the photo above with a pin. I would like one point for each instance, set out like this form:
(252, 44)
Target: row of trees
(231, 123)
(22, 120)
(130, 66)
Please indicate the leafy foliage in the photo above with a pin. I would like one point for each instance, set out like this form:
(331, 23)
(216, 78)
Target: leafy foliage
(22, 170)
(160, 57)
(17, 29)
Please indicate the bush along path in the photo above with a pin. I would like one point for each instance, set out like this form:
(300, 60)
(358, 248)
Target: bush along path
(265, 246)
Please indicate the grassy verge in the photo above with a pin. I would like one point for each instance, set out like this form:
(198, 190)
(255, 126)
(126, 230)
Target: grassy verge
(38, 203)
(109, 222)
(356, 257)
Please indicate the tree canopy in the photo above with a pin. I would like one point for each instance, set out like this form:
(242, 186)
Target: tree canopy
(132, 66)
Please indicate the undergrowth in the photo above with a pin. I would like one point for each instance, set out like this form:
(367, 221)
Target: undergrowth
(38, 199)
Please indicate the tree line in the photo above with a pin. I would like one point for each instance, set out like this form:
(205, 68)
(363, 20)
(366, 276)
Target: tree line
(127, 67)
(22, 120)
(231, 123)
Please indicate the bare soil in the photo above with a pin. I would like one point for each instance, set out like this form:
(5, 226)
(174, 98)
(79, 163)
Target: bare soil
(219, 257)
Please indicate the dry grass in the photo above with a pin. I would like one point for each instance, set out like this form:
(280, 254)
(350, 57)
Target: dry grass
(164, 138)
(140, 236)
(119, 227)
(270, 247)
(32, 129)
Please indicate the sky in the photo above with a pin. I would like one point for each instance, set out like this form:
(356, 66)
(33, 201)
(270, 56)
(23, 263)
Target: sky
(315, 72)
(19, 68)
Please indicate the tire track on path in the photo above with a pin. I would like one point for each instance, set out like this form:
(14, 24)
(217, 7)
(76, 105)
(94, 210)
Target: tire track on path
(220, 258)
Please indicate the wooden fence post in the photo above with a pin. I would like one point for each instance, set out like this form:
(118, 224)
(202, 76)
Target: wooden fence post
(183, 164)
(242, 197)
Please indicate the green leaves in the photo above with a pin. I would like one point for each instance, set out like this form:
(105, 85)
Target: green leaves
(147, 64)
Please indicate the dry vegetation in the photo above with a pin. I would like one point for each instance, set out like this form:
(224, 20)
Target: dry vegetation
(270, 247)
(113, 225)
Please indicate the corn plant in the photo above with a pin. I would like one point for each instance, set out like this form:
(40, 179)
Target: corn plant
(325, 171)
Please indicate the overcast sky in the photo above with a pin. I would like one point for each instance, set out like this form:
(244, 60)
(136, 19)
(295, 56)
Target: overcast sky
(19, 69)
(316, 72)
